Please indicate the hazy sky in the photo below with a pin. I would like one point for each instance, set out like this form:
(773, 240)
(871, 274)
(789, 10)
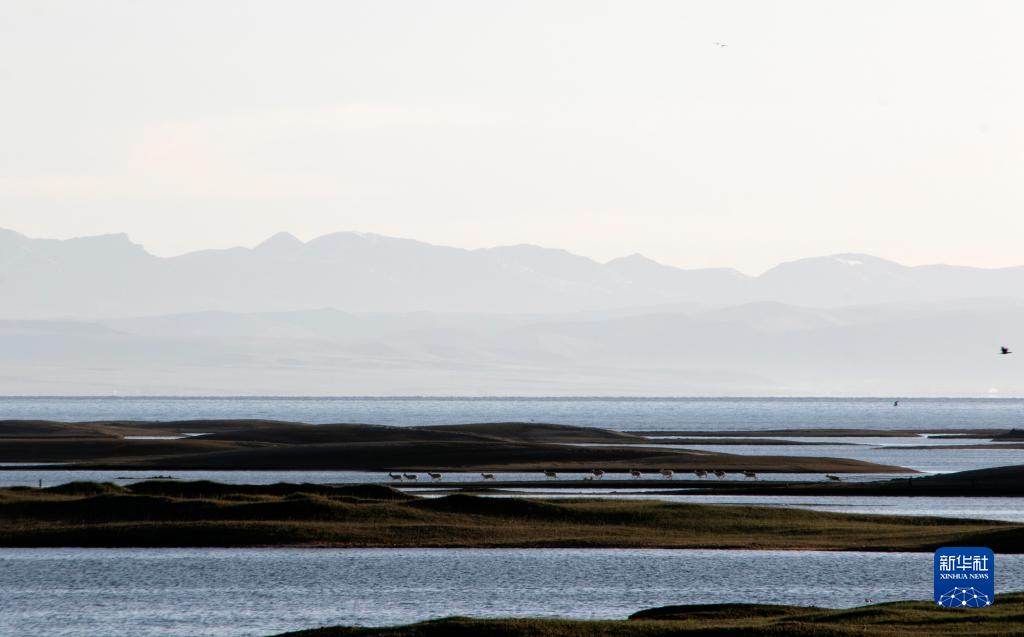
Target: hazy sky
(893, 128)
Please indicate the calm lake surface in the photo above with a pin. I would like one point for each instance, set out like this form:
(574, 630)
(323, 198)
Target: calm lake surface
(715, 414)
(243, 592)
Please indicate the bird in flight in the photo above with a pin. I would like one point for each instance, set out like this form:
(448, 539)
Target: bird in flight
(720, 44)
(1005, 350)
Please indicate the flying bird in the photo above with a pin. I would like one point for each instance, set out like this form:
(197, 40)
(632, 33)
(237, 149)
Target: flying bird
(720, 44)
(1005, 350)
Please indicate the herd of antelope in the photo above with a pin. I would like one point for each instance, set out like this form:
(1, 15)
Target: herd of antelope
(668, 474)
(597, 474)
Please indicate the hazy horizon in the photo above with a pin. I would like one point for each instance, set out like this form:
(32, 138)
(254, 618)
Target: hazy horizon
(825, 197)
(607, 129)
(199, 248)
(371, 315)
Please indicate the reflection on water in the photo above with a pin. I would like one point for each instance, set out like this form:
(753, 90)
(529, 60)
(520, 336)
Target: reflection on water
(218, 592)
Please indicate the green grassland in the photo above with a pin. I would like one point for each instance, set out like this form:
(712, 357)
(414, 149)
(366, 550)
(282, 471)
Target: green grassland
(170, 513)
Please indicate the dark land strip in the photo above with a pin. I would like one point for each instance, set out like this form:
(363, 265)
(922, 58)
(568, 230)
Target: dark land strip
(913, 619)
(268, 445)
(167, 513)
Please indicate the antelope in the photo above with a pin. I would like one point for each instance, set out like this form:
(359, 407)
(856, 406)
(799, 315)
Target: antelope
(719, 474)
(634, 473)
(394, 476)
(434, 476)
(833, 478)
(487, 476)
(667, 474)
(700, 473)
(409, 476)
(550, 474)
(750, 474)
(597, 473)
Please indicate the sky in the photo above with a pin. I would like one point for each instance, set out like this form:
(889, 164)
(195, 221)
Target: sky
(605, 128)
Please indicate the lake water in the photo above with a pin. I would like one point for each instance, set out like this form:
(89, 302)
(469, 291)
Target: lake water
(237, 593)
(715, 414)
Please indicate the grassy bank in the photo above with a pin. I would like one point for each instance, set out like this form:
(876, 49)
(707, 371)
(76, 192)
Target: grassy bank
(167, 513)
(213, 445)
(913, 619)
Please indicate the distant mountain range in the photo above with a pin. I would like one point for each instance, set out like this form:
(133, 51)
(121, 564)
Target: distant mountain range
(109, 276)
(363, 314)
(948, 348)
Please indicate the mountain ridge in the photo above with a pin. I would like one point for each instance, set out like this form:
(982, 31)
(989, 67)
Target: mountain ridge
(753, 349)
(109, 276)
